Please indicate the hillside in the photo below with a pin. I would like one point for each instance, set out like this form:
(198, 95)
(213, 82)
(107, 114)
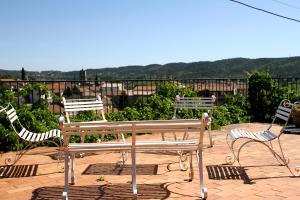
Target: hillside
(227, 68)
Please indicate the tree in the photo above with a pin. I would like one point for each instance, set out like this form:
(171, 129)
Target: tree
(264, 95)
(96, 80)
(23, 74)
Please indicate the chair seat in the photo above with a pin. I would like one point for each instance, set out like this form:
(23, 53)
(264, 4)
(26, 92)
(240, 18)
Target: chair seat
(259, 136)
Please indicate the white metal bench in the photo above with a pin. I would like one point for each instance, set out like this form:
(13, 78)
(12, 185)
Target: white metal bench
(31, 138)
(134, 127)
(201, 103)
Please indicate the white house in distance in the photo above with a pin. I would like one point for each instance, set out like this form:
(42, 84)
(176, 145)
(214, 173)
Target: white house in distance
(142, 90)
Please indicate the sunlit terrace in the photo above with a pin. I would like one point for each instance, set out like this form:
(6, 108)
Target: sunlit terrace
(36, 175)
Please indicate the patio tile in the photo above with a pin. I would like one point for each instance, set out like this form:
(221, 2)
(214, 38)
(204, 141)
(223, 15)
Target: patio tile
(267, 180)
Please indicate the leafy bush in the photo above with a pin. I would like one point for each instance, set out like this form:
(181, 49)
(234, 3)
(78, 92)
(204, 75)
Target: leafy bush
(265, 94)
(8, 139)
(36, 118)
(161, 106)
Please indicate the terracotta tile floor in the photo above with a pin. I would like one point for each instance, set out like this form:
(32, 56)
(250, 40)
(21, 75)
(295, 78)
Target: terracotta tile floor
(37, 176)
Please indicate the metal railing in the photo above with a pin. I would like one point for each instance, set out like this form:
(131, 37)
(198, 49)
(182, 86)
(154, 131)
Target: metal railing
(118, 94)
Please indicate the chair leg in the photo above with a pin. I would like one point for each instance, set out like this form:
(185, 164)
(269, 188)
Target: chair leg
(269, 147)
(123, 154)
(211, 140)
(163, 137)
(286, 161)
(191, 174)
(182, 159)
(73, 178)
(280, 158)
(185, 136)
(19, 153)
(275, 155)
(231, 158)
(59, 152)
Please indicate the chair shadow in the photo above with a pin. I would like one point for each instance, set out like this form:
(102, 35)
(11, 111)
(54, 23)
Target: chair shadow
(16, 171)
(107, 191)
(225, 172)
(116, 169)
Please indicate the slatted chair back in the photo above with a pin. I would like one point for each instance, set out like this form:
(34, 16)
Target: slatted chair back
(31, 138)
(283, 114)
(73, 106)
(202, 103)
(25, 134)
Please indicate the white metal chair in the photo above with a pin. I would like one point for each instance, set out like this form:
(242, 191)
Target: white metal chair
(31, 138)
(201, 103)
(73, 106)
(265, 137)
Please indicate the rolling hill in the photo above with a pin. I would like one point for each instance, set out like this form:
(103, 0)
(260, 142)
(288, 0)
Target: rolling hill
(227, 68)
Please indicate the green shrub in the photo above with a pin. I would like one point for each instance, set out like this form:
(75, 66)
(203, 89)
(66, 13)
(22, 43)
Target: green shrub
(8, 139)
(265, 94)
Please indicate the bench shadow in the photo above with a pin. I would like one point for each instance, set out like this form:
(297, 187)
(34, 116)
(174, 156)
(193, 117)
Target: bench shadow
(57, 156)
(16, 171)
(116, 169)
(225, 172)
(107, 191)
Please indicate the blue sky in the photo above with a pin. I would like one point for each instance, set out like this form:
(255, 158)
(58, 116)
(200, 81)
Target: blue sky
(70, 35)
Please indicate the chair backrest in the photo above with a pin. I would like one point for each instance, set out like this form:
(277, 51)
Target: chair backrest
(73, 106)
(283, 112)
(22, 132)
(206, 103)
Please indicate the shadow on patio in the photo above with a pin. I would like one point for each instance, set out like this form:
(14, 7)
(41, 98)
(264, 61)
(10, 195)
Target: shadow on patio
(225, 172)
(107, 191)
(15, 171)
(115, 169)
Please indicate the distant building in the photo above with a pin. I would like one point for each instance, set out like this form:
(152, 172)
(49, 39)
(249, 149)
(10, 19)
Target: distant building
(142, 90)
(111, 89)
